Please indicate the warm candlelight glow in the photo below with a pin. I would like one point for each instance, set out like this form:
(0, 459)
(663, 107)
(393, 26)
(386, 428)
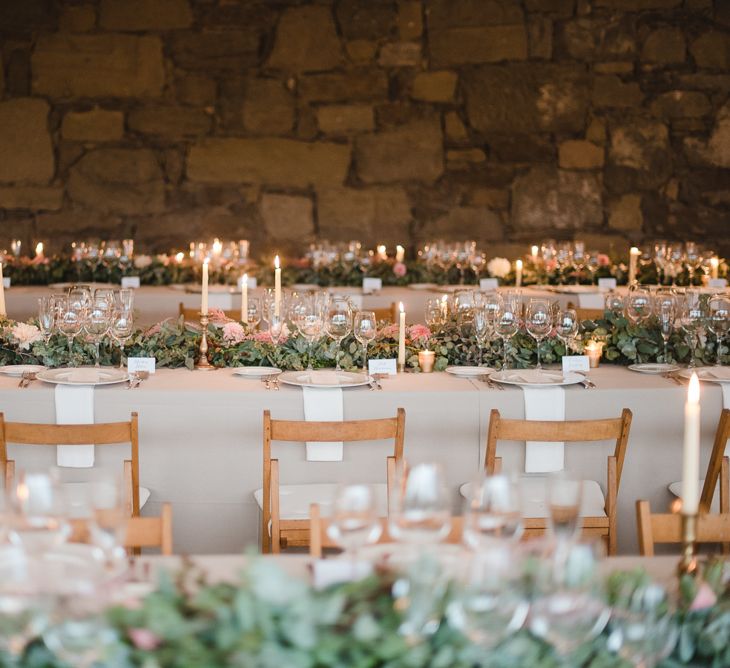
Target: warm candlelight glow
(518, 264)
(276, 262)
(179, 258)
(635, 251)
(714, 266)
(693, 391)
(534, 252)
(217, 247)
(382, 252)
(39, 248)
(400, 253)
(400, 306)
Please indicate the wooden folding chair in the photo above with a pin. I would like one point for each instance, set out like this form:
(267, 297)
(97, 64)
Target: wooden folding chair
(286, 531)
(667, 528)
(589, 313)
(110, 433)
(601, 520)
(193, 314)
(717, 468)
(387, 314)
(140, 531)
(319, 539)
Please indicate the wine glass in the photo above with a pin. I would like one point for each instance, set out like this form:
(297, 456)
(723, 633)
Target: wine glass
(276, 326)
(365, 327)
(420, 510)
(508, 324)
(538, 321)
(310, 321)
(492, 512)
(693, 319)
(355, 521)
(615, 304)
(70, 323)
(434, 313)
(124, 299)
(718, 320)
(566, 327)
(98, 322)
(482, 327)
(339, 323)
(666, 311)
(638, 306)
(121, 330)
(564, 497)
(254, 312)
(46, 317)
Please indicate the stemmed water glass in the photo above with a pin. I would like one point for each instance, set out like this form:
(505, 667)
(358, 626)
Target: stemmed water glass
(508, 324)
(70, 323)
(434, 313)
(339, 323)
(566, 327)
(121, 330)
(46, 317)
(276, 326)
(718, 321)
(365, 328)
(254, 312)
(564, 497)
(482, 328)
(492, 512)
(98, 322)
(638, 309)
(310, 321)
(538, 322)
(665, 307)
(693, 319)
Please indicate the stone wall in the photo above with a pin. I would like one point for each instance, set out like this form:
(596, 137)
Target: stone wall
(391, 121)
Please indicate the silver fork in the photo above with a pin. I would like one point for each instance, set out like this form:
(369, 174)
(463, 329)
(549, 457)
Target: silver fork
(376, 379)
(27, 378)
(588, 384)
(489, 382)
(136, 379)
(672, 376)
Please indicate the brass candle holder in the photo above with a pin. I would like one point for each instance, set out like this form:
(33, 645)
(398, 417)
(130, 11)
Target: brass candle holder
(688, 562)
(203, 364)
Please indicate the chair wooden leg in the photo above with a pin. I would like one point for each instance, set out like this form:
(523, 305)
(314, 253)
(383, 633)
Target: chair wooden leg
(275, 509)
(166, 529)
(315, 532)
(725, 494)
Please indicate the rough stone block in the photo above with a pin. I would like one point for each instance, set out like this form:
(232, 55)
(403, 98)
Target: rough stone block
(435, 86)
(716, 150)
(355, 86)
(550, 199)
(626, 214)
(400, 54)
(454, 127)
(345, 119)
(599, 38)
(113, 180)
(410, 19)
(196, 90)
(382, 214)
(287, 218)
(268, 107)
(614, 67)
(664, 46)
(109, 65)
(25, 144)
(77, 18)
(216, 50)
(145, 15)
(35, 198)
(463, 13)
(531, 97)
(276, 162)
(540, 37)
(681, 104)
(563, 8)
(306, 41)
(463, 46)
(478, 223)
(27, 15)
(95, 125)
(638, 5)
(361, 51)
(578, 154)
(596, 131)
(611, 92)
(522, 148)
(463, 158)
(492, 198)
(410, 152)
(638, 155)
(712, 50)
(366, 19)
(169, 122)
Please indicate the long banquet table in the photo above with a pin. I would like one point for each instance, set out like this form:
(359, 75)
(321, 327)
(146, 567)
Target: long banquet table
(201, 434)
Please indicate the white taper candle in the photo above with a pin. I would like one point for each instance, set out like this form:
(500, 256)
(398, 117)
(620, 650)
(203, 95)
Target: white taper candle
(691, 453)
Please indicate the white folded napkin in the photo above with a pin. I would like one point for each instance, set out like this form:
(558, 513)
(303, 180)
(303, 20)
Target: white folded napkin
(591, 300)
(75, 405)
(323, 404)
(544, 403)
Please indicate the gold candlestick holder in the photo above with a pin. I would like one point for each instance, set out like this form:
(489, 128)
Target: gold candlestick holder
(401, 368)
(688, 562)
(203, 364)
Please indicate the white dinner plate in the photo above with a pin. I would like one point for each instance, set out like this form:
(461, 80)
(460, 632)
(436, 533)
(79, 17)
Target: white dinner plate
(654, 368)
(422, 286)
(92, 286)
(536, 377)
(712, 374)
(452, 288)
(84, 375)
(257, 371)
(324, 378)
(196, 289)
(19, 369)
(571, 289)
(469, 371)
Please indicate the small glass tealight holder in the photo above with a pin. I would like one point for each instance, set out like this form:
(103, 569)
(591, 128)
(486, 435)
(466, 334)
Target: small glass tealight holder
(426, 359)
(594, 350)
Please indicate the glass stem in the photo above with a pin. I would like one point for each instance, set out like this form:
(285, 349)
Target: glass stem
(97, 346)
(504, 353)
(537, 348)
(70, 350)
(365, 357)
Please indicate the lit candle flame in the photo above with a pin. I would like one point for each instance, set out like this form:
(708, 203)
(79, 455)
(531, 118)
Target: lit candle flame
(217, 247)
(518, 264)
(179, 257)
(534, 251)
(39, 248)
(400, 306)
(206, 261)
(693, 392)
(276, 262)
(22, 492)
(635, 251)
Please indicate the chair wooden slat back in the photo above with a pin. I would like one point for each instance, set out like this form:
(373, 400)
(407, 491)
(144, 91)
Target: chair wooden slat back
(141, 531)
(656, 528)
(387, 314)
(111, 433)
(320, 540)
(717, 467)
(589, 313)
(193, 314)
(300, 431)
(570, 431)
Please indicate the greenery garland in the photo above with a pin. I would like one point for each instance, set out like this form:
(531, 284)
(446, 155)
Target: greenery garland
(174, 344)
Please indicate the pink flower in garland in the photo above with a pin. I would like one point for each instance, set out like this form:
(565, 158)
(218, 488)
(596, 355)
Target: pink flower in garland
(217, 317)
(265, 337)
(419, 333)
(233, 333)
(155, 329)
(603, 260)
(705, 598)
(144, 639)
(551, 265)
(400, 269)
(390, 331)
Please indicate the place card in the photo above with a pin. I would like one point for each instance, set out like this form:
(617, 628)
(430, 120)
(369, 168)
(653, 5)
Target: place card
(6, 281)
(383, 366)
(136, 364)
(370, 285)
(717, 283)
(252, 282)
(130, 281)
(607, 283)
(488, 283)
(576, 363)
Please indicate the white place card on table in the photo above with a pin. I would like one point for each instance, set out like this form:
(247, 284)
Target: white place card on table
(388, 366)
(607, 283)
(370, 285)
(137, 364)
(6, 281)
(488, 283)
(576, 363)
(130, 282)
(252, 282)
(718, 283)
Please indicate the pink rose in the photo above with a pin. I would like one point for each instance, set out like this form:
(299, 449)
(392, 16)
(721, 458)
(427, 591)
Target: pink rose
(144, 639)
(417, 332)
(400, 269)
(217, 317)
(705, 598)
(390, 331)
(233, 333)
(551, 265)
(155, 329)
(603, 260)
